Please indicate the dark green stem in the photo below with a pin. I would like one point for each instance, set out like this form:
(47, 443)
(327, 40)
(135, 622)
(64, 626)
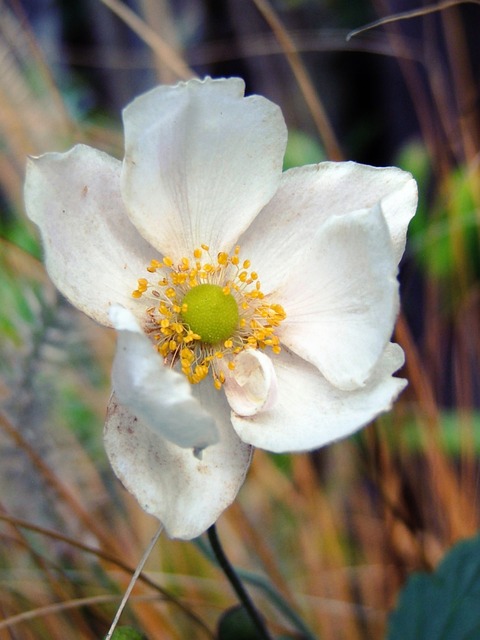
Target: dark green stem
(236, 583)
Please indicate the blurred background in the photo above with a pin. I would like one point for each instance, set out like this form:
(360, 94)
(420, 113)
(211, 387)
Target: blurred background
(334, 533)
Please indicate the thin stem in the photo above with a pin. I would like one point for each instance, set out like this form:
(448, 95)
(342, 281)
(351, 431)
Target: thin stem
(133, 580)
(236, 583)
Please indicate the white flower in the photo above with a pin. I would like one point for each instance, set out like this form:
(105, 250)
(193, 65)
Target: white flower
(297, 303)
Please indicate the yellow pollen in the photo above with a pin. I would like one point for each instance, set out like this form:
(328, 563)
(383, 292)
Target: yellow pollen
(218, 297)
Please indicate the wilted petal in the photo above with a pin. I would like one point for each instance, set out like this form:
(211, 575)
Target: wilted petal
(310, 195)
(342, 299)
(201, 161)
(310, 412)
(251, 387)
(157, 395)
(185, 493)
(93, 253)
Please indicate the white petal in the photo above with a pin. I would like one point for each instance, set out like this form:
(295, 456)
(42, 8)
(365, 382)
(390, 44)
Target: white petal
(399, 208)
(251, 387)
(310, 195)
(311, 413)
(157, 395)
(185, 493)
(341, 301)
(93, 253)
(201, 161)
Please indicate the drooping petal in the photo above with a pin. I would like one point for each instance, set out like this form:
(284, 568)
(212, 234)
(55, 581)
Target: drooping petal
(93, 253)
(187, 494)
(158, 396)
(342, 299)
(201, 161)
(311, 413)
(252, 386)
(310, 195)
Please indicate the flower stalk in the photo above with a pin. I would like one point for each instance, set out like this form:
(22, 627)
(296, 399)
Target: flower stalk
(236, 583)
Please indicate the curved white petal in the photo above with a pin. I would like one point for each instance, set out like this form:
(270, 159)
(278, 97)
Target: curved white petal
(310, 195)
(93, 253)
(157, 395)
(251, 387)
(399, 207)
(187, 494)
(200, 162)
(311, 413)
(342, 299)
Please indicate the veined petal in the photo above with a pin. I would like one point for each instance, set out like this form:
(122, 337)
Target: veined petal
(93, 253)
(310, 195)
(311, 413)
(186, 493)
(158, 396)
(252, 386)
(200, 162)
(341, 300)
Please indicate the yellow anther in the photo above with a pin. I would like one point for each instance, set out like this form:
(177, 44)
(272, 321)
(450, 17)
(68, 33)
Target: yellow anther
(154, 265)
(174, 339)
(179, 278)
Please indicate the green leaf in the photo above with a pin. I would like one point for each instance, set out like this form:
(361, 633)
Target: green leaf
(236, 624)
(443, 605)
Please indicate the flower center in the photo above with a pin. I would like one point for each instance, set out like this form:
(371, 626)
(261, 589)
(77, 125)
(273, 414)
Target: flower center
(210, 312)
(202, 312)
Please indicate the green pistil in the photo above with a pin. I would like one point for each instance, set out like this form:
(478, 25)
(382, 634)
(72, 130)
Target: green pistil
(211, 313)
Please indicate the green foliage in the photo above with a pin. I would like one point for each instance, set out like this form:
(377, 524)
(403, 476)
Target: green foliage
(302, 149)
(453, 430)
(236, 624)
(442, 605)
(445, 241)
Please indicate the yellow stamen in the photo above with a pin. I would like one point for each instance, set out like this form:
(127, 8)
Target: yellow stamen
(175, 340)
